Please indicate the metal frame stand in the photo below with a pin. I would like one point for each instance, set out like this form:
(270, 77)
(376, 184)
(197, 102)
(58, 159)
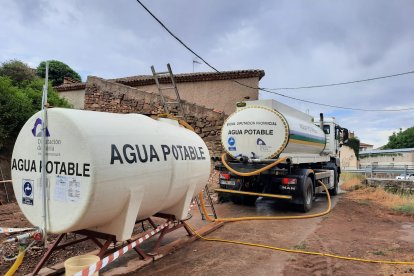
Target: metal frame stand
(109, 239)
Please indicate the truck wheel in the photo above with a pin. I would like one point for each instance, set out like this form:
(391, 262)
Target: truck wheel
(335, 190)
(307, 195)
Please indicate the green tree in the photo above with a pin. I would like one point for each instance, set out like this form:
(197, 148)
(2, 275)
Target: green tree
(34, 90)
(401, 140)
(20, 98)
(354, 143)
(15, 109)
(57, 71)
(19, 73)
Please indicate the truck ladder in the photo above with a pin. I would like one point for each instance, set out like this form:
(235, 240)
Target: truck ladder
(210, 204)
(169, 104)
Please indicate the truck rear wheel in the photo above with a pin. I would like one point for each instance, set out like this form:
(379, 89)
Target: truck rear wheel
(307, 195)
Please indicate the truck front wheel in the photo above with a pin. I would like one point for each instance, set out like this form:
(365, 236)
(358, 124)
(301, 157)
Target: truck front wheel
(335, 189)
(307, 195)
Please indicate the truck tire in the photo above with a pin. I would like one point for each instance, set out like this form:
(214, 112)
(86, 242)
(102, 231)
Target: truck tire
(307, 195)
(335, 190)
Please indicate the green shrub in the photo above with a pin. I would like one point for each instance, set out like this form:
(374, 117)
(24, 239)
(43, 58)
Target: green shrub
(405, 208)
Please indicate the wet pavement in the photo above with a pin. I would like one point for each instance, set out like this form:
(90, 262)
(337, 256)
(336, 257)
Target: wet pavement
(213, 258)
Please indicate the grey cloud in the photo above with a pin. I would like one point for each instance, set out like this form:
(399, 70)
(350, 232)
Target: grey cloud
(295, 42)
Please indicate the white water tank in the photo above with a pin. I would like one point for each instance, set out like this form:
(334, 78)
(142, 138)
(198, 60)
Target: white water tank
(106, 170)
(266, 129)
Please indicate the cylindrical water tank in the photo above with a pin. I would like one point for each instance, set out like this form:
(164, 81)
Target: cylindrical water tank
(106, 170)
(263, 132)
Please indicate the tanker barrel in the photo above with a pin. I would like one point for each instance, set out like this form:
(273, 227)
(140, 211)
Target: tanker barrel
(267, 133)
(108, 169)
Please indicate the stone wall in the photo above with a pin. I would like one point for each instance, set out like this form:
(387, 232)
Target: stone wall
(107, 96)
(348, 158)
(391, 184)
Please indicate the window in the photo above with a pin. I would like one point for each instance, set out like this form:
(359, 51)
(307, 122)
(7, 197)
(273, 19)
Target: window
(327, 129)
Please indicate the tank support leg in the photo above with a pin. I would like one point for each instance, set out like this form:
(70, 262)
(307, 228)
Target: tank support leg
(152, 223)
(102, 252)
(103, 241)
(49, 252)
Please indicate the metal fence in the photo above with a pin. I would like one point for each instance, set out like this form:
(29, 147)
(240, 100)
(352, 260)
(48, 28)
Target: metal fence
(384, 170)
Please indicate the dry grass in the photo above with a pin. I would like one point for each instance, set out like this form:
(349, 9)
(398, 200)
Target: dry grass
(351, 184)
(380, 196)
(398, 202)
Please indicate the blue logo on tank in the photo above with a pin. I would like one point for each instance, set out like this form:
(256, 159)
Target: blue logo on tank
(27, 188)
(231, 141)
(37, 129)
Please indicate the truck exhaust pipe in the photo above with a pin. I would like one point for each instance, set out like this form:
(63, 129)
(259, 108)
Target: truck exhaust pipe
(321, 120)
(243, 159)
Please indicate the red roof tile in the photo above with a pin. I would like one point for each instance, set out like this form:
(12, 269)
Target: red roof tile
(192, 77)
(179, 78)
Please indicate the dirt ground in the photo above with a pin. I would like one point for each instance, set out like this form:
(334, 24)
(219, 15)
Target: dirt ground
(356, 229)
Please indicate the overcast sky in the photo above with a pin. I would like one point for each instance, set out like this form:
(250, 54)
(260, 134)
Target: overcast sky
(296, 43)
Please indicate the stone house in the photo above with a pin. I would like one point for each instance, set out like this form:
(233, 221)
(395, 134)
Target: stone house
(207, 98)
(365, 147)
(390, 157)
(219, 91)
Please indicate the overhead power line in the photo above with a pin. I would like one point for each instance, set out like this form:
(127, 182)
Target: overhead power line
(342, 83)
(280, 94)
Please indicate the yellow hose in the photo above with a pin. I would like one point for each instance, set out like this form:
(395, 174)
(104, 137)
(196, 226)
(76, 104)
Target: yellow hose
(286, 249)
(181, 122)
(224, 161)
(203, 208)
(16, 264)
(298, 251)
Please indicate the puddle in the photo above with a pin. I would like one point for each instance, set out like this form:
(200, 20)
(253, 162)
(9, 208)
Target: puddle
(407, 232)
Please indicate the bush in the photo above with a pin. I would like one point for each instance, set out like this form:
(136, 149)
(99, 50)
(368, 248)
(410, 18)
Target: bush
(18, 104)
(19, 72)
(407, 208)
(15, 109)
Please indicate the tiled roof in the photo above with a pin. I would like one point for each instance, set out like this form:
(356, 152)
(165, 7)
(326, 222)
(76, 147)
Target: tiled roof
(71, 86)
(186, 77)
(192, 77)
(365, 145)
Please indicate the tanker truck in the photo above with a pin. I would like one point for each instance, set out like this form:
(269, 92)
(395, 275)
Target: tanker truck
(274, 150)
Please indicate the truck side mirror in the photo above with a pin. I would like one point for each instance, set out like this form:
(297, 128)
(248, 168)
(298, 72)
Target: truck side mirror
(345, 136)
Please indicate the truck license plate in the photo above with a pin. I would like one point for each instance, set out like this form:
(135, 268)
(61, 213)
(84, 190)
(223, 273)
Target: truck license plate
(228, 182)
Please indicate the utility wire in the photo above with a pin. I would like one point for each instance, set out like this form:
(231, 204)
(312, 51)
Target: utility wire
(276, 93)
(341, 83)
